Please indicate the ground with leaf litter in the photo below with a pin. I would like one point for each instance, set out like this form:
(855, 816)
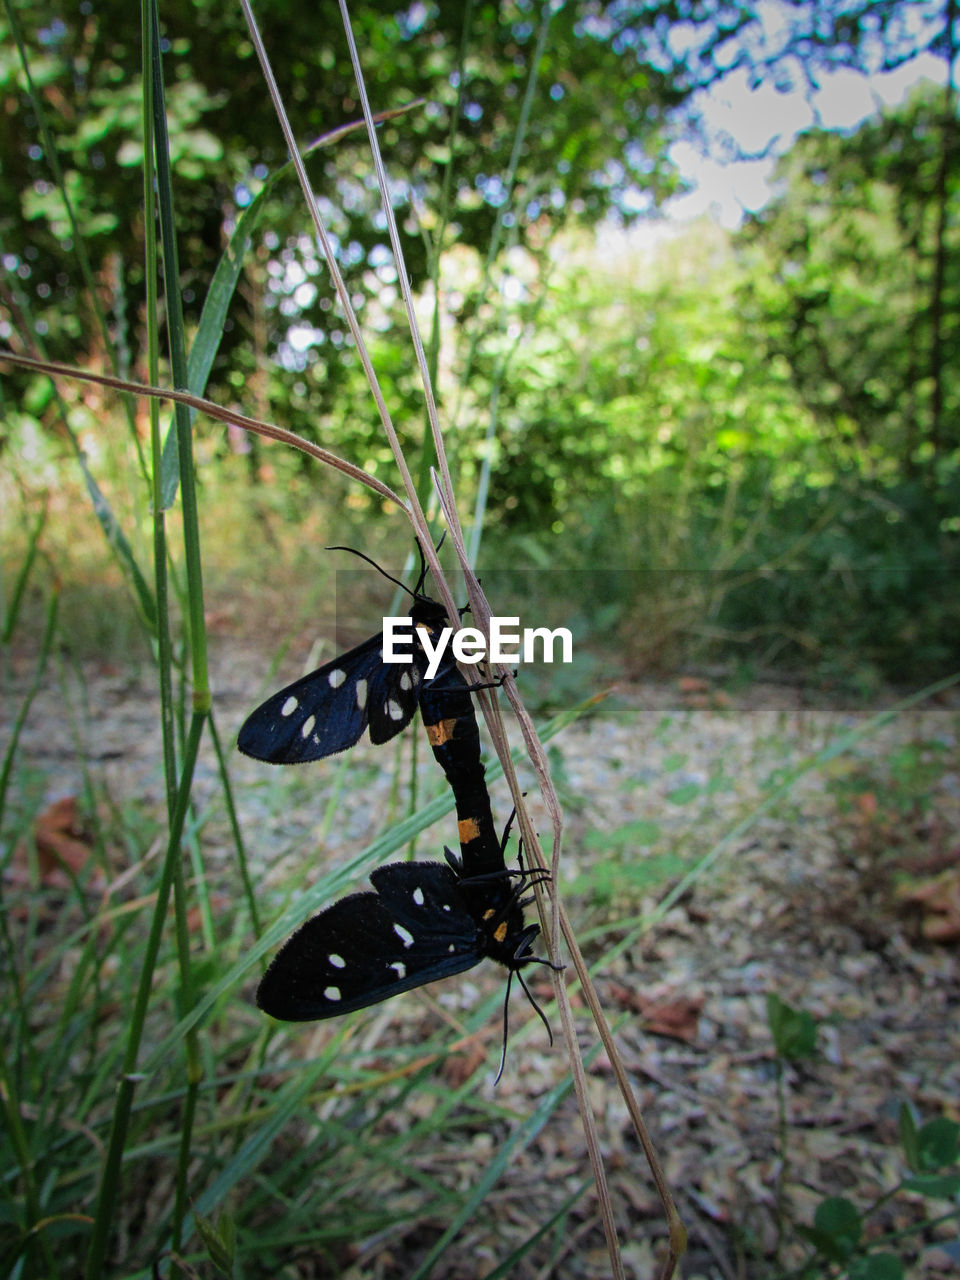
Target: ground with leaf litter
(835, 889)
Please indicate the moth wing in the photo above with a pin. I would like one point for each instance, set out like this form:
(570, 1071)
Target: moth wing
(393, 693)
(319, 714)
(370, 946)
(424, 897)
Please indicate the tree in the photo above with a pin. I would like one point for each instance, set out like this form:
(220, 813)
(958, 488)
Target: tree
(862, 289)
(605, 86)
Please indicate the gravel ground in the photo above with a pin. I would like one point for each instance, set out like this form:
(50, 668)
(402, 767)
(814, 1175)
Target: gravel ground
(802, 899)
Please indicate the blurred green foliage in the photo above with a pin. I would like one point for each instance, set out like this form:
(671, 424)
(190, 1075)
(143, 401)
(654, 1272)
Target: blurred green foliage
(747, 447)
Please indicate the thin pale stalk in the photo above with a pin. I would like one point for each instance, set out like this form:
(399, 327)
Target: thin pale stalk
(414, 510)
(560, 924)
(403, 279)
(265, 429)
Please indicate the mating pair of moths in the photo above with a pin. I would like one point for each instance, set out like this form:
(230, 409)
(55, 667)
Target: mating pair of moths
(426, 920)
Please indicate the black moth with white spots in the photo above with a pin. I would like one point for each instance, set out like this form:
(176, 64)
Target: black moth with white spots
(425, 921)
(327, 711)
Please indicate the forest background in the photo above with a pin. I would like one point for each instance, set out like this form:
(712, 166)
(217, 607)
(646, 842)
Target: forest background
(744, 444)
(734, 453)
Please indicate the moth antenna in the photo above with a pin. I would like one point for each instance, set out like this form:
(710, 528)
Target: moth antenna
(421, 579)
(529, 995)
(506, 1008)
(423, 563)
(389, 577)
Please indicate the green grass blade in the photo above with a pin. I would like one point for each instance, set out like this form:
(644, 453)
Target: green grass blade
(286, 1104)
(12, 612)
(238, 844)
(521, 1137)
(117, 540)
(46, 643)
(507, 1267)
(213, 317)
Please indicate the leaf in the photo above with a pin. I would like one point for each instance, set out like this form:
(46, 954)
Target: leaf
(220, 293)
(794, 1031)
(938, 1143)
(220, 1241)
(677, 1018)
(64, 843)
(876, 1266)
(908, 1137)
(209, 333)
(839, 1224)
(933, 1185)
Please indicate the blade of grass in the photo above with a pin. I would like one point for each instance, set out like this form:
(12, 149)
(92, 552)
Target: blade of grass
(110, 1179)
(199, 671)
(206, 341)
(507, 1266)
(10, 1102)
(171, 875)
(288, 1101)
(218, 413)
(238, 844)
(46, 643)
(11, 612)
(520, 1137)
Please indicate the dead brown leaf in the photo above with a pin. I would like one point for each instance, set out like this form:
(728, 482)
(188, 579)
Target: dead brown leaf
(64, 843)
(938, 901)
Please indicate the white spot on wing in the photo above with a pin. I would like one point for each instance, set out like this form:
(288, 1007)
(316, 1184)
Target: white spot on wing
(405, 936)
(446, 906)
(338, 962)
(361, 694)
(399, 968)
(451, 947)
(418, 896)
(290, 706)
(405, 681)
(331, 993)
(394, 710)
(307, 727)
(336, 678)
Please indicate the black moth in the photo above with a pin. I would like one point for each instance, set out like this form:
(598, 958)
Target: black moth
(327, 711)
(426, 920)
(450, 721)
(423, 922)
